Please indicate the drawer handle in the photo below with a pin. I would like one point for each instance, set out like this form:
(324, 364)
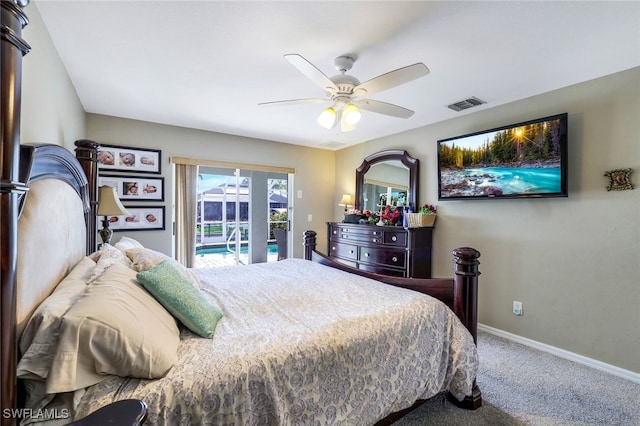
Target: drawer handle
(394, 238)
(350, 251)
(333, 249)
(376, 240)
(345, 236)
(394, 258)
(367, 255)
(335, 232)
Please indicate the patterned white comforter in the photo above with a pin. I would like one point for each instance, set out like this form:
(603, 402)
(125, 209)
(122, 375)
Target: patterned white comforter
(304, 344)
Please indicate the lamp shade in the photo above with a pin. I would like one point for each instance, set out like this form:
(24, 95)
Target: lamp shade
(108, 202)
(328, 118)
(351, 114)
(346, 200)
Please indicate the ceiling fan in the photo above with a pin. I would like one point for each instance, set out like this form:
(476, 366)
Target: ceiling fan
(344, 91)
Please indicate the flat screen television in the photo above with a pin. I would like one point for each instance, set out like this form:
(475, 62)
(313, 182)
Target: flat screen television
(523, 160)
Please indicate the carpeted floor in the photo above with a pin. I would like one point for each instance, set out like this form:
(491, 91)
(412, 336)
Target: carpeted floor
(525, 386)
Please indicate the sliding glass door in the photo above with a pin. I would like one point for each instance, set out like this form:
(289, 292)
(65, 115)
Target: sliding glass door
(237, 211)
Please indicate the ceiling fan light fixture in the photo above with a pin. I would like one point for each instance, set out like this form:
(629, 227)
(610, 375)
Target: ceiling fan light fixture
(343, 88)
(328, 118)
(345, 127)
(351, 114)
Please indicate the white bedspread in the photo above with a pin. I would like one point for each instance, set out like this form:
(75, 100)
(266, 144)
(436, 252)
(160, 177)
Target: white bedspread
(304, 344)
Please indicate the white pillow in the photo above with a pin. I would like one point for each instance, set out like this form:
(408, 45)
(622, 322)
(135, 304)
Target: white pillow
(115, 328)
(126, 243)
(108, 256)
(95, 256)
(145, 259)
(40, 336)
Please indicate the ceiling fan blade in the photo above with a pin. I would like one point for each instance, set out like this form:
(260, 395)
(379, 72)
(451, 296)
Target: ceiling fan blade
(313, 73)
(297, 101)
(391, 79)
(384, 108)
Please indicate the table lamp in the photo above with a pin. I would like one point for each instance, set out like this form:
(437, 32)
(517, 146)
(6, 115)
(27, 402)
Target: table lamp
(108, 205)
(346, 201)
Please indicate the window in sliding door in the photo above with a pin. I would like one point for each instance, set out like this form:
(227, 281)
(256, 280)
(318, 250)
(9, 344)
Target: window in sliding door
(236, 212)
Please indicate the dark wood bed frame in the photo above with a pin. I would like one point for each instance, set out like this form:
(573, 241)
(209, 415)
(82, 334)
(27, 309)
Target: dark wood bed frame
(22, 164)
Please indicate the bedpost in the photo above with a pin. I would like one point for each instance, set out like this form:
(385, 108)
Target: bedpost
(465, 305)
(309, 244)
(465, 287)
(87, 155)
(13, 20)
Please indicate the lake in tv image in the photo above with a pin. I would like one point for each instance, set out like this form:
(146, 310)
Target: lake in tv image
(522, 160)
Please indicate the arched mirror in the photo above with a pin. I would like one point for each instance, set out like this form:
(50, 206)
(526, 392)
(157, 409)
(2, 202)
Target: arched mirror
(387, 178)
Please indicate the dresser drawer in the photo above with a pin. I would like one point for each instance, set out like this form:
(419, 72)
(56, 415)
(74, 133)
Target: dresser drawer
(345, 251)
(387, 250)
(368, 234)
(394, 258)
(395, 238)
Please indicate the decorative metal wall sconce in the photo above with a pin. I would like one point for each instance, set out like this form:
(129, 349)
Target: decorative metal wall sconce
(619, 179)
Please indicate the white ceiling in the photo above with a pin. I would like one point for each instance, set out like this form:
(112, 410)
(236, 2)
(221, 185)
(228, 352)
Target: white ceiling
(207, 64)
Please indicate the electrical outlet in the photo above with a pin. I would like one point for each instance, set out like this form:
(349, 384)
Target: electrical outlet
(517, 308)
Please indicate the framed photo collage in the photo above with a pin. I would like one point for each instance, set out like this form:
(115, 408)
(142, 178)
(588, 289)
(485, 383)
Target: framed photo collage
(131, 172)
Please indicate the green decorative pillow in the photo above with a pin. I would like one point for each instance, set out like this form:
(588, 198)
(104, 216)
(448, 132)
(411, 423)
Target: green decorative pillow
(176, 293)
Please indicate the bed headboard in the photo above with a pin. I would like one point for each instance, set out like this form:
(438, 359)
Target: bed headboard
(52, 228)
(51, 235)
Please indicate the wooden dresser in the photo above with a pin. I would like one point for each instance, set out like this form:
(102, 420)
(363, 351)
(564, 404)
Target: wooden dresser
(388, 250)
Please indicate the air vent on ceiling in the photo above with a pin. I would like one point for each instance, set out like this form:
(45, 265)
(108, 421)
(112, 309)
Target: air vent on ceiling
(466, 104)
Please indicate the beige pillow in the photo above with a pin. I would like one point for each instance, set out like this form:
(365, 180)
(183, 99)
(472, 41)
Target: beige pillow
(126, 243)
(145, 259)
(115, 328)
(108, 256)
(40, 336)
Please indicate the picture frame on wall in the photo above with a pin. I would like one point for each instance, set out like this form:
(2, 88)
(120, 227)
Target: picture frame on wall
(140, 218)
(134, 188)
(128, 159)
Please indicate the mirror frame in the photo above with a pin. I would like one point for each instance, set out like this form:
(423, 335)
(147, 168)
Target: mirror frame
(379, 157)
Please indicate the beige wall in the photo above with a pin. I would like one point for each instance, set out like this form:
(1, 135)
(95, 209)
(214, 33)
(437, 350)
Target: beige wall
(573, 262)
(314, 168)
(51, 110)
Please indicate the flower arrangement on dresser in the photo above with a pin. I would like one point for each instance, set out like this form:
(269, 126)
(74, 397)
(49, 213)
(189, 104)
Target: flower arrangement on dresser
(425, 216)
(428, 209)
(366, 217)
(393, 216)
(389, 216)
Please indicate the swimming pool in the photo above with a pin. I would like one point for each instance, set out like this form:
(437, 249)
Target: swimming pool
(272, 248)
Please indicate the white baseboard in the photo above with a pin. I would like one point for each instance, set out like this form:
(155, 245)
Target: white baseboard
(571, 356)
